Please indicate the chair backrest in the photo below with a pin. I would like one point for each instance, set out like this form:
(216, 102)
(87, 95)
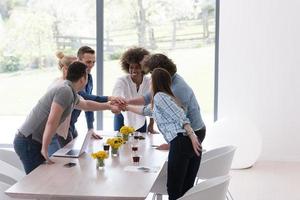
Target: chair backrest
(216, 162)
(160, 185)
(10, 174)
(9, 156)
(3, 187)
(210, 189)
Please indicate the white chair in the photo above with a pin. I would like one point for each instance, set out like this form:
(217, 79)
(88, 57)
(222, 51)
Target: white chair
(3, 187)
(159, 187)
(10, 174)
(210, 189)
(9, 156)
(216, 162)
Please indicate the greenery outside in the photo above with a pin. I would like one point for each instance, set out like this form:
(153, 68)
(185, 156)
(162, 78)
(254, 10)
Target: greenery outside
(32, 31)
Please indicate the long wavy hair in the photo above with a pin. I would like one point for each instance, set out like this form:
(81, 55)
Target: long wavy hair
(161, 82)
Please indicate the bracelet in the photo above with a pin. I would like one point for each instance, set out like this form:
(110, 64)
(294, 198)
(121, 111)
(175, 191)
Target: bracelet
(189, 133)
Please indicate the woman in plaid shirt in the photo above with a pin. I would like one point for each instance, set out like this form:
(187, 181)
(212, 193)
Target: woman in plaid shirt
(170, 116)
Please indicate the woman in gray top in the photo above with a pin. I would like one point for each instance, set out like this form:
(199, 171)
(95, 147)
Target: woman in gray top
(34, 136)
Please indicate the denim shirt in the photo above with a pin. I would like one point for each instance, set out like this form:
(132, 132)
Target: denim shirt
(169, 117)
(187, 97)
(87, 95)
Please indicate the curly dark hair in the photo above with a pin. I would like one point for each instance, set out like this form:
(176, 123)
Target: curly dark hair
(133, 55)
(159, 61)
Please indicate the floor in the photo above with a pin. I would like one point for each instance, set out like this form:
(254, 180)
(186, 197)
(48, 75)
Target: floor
(266, 180)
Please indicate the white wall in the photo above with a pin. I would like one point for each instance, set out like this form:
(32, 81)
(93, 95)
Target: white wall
(259, 71)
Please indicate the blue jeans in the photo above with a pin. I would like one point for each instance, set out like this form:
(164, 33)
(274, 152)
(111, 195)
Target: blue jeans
(72, 134)
(119, 122)
(58, 141)
(54, 145)
(29, 152)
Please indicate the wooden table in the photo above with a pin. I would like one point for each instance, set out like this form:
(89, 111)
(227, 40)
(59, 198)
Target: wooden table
(84, 181)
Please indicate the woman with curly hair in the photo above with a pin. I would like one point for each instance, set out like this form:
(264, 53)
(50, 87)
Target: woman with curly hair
(132, 85)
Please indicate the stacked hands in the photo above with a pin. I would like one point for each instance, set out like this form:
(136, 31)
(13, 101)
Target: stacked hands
(117, 104)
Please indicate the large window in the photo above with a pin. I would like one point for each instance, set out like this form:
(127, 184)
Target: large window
(32, 31)
(184, 30)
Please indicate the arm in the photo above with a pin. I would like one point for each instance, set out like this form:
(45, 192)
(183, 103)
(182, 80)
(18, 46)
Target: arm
(89, 115)
(135, 109)
(177, 114)
(91, 97)
(150, 126)
(194, 139)
(50, 129)
(136, 101)
(88, 105)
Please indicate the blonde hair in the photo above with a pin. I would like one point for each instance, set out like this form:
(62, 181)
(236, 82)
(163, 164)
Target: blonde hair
(64, 60)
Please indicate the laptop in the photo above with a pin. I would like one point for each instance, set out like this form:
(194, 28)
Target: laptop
(75, 148)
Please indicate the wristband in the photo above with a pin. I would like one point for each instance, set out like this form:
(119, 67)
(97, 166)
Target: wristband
(189, 133)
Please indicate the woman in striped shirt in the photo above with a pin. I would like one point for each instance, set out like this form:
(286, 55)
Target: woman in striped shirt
(170, 116)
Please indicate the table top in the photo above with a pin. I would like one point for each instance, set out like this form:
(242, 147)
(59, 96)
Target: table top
(116, 180)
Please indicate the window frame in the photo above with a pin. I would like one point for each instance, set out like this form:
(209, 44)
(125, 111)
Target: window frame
(100, 63)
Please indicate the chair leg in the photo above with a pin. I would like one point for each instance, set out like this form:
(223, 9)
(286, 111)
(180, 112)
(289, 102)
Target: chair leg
(196, 181)
(159, 196)
(229, 196)
(153, 196)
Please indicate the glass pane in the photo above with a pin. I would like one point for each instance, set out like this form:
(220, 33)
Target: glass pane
(184, 30)
(31, 32)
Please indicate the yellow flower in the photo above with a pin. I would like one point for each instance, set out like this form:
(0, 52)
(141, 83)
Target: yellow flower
(115, 142)
(126, 130)
(100, 155)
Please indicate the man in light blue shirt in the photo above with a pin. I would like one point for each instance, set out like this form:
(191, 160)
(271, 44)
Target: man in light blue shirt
(187, 98)
(179, 87)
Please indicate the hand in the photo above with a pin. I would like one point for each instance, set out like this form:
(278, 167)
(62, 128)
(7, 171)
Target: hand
(122, 107)
(115, 109)
(118, 100)
(44, 152)
(196, 144)
(95, 135)
(151, 129)
(163, 147)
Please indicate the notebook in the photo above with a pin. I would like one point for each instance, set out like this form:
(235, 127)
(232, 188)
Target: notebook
(75, 148)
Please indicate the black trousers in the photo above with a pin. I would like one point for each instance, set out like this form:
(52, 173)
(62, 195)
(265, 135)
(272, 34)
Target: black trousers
(183, 164)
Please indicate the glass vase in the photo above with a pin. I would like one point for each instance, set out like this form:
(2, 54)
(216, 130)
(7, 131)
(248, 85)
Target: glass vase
(100, 163)
(114, 152)
(125, 137)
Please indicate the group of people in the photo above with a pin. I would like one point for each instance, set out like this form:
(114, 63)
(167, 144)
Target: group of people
(165, 97)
